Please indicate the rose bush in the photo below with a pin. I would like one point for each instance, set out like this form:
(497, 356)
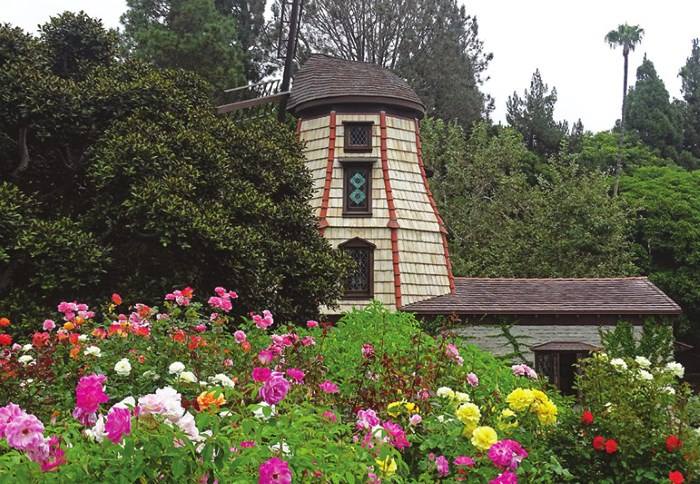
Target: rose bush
(169, 394)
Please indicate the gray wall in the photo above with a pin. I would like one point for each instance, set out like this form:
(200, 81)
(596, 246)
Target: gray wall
(530, 335)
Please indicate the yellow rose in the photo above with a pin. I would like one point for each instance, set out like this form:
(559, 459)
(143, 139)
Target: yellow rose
(394, 408)
(508, 420)
(546, 413)
(387, 466)
(461, 397)
(468, 429)
(468, 413)
(484, 437)
(411, 407)
(520, 399)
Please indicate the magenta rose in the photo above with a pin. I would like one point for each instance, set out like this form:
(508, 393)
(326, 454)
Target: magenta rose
(274, 389)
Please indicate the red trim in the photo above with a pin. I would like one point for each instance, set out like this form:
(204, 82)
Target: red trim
(323, 223)
(393, 221)
(443, 230)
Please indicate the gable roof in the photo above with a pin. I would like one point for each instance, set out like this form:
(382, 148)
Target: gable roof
(482, 296)
(323, 79)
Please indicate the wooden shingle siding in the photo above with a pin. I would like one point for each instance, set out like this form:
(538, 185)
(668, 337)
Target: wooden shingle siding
(421, 259)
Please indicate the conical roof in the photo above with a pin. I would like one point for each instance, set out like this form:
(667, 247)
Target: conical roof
(324, 80)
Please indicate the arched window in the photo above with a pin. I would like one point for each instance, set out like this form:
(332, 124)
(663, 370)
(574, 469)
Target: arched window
(360, 282)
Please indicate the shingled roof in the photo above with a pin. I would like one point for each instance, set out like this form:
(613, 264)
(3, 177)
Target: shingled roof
(483, 296)
(324, 80)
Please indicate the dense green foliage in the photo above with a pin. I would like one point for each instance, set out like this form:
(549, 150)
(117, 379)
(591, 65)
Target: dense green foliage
(186, 34)
(690, 76)
(650, 114)
(667, 233)
(563, 224)
(533, 116)
(127, 180)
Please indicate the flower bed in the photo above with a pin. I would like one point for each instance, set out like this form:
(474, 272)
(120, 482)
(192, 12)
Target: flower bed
(184, 393)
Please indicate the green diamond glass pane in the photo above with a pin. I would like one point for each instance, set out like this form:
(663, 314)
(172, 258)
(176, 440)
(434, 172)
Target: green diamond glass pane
(358, 196)
(357, 180)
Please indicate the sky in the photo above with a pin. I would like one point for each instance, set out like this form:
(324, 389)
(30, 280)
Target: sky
(563, 38)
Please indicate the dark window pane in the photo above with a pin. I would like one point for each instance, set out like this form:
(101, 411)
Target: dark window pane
(360, 135)
(358, 281)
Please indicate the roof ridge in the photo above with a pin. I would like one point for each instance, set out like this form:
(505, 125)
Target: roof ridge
(621, 278)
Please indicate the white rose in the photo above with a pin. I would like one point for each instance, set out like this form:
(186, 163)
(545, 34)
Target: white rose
(642, 361)
(25, 359)
(93, 350)
(176, 368)
(128, 402)
(260, 414)
(27, 347)
(123, 367)
(619, 363)
(151, 374)
(445, 392)
(645, 375)
(97, 433)
(676, 368)
(461, 397)
(221, 379)
(83, 337)
(281, 447)
(669, 389)
(187, 376)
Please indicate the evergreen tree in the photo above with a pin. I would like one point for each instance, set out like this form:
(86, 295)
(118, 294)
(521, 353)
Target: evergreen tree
(433, 44)
(533, 116)
(651, 115)
(250, 32)
(690, 75)
(186, 34)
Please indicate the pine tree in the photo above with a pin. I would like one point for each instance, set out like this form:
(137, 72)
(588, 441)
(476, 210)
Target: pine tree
(533, 116)
(186, 34)
(250, 22)
(651, 115)
(690, 75)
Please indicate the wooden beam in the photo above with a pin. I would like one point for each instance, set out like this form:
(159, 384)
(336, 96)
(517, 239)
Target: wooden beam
(250, 103)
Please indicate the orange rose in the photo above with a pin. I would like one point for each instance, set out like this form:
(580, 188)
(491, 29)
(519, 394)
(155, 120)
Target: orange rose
(69, 326)
(4, 322)
(74, 352)
(208, 399)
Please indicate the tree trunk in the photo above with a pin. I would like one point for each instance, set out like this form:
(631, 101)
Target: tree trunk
(618, 165)
(23, 151)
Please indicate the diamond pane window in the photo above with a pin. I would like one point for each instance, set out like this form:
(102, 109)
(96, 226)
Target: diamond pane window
(358, 136)
(357, 189)
(359, 283)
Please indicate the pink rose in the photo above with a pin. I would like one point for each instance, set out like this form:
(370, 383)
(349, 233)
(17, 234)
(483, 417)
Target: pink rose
(328, 387)
(312, 324)
(261, 374)
(239, 336)
(274, 389)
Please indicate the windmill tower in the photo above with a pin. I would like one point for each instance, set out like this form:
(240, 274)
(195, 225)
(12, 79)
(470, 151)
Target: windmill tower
(360, 126)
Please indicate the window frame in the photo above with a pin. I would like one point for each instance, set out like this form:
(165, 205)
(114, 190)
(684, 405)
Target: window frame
(348, 165)
(351, 148)
(358, 243)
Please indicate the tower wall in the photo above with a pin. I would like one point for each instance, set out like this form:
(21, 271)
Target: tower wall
(410, 260)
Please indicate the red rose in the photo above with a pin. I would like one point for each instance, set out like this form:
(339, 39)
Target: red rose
(676, 477)
(40, 339)
(587, 417)
(673, 443)
(5, 339)
(179, 336)
(599, 442)
(116, 299)
(611, 446)
(4, 322)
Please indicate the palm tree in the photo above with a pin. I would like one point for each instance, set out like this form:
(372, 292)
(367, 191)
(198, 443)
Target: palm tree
(627, 37)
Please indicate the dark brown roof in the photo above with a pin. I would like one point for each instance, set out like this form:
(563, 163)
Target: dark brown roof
(481, 296)
(326, 80)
